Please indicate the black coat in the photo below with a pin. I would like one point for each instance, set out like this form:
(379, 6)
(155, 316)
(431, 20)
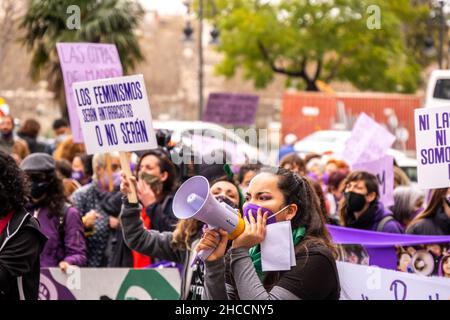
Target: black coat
(437, 225)
(21, 244)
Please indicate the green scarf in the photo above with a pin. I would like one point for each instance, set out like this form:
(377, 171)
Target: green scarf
(255, 252)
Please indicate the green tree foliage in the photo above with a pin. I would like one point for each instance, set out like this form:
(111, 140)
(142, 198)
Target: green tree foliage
(104, 21)
(310, 40)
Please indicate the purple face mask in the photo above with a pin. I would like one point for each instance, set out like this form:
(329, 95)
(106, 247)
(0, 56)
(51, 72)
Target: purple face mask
(254, 208)
(78, 175)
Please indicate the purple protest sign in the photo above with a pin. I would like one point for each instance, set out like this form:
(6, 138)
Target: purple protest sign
(233, 109)
(383, 169)
(369, 141)
(84, 62)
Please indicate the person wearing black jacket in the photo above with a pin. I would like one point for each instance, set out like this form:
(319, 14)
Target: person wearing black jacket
(157, 180)
(435, 219)
(21, 241)
(117, 252)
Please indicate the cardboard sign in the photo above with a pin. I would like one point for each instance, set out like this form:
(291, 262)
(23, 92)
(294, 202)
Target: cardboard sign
(433, 147)
(232, 109)
(369, 141)
(83, 62)
(115, 114)
(383, 169)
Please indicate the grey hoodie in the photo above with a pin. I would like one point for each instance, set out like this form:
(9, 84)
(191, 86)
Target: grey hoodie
(155, 243)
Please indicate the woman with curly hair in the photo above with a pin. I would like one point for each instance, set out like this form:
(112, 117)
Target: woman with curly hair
(59, 221)
(21, 241)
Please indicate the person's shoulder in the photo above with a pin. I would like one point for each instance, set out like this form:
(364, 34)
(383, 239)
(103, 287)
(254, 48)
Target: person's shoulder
(83, 190)
(316, 251)
(72, 212)
(28, 226)
(393, 226)
(423, 226)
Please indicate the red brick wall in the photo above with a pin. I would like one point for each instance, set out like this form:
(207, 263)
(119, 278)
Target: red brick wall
(373, 104)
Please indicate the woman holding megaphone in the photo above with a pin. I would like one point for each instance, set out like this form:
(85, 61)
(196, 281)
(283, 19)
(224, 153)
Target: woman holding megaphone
(273, 198)
(177, 246)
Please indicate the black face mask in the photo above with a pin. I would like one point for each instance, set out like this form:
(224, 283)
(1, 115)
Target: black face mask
(227, 201)
(39, 188)
(355, 201)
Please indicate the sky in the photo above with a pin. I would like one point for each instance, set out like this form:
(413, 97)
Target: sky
(165, 7)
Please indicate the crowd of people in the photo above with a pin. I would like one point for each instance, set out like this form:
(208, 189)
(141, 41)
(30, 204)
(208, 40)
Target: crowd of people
(60, 207)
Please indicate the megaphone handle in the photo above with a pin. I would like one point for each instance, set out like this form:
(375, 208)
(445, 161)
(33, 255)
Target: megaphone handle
(205, 253)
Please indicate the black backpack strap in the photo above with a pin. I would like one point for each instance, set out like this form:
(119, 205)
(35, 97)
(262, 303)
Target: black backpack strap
(62, 221)
(383, 222)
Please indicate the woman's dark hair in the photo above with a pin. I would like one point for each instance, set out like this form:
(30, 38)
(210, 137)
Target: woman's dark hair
(335, 179)
(433, 206)
(293, 159)
(86, 160)
(55, 198)
(64, 167)
(14, 187)
(247, 168)
(298, 190)
(59, 123)
(371, 183)
(320, 195)
(30, 128)
(165, 165)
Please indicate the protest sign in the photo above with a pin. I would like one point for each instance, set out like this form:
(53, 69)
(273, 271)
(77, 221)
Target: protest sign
(109, 284)
(369, 141)
(432, 147)
(83, 62)
(115, 115)
(383, 169)
(360, 282)
(232, 109)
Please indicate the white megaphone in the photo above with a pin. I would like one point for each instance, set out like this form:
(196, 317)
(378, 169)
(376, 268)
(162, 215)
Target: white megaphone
(423, 263)
(194, 200)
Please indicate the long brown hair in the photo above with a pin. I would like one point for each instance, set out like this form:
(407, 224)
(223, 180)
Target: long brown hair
(185, 231)
(435, 203)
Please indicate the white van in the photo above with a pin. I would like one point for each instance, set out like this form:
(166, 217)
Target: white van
(438, 90)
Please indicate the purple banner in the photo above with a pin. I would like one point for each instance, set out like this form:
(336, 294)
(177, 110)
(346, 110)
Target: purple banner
(232, 109)
(380, 246)
(342, 235)
(83, 62)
